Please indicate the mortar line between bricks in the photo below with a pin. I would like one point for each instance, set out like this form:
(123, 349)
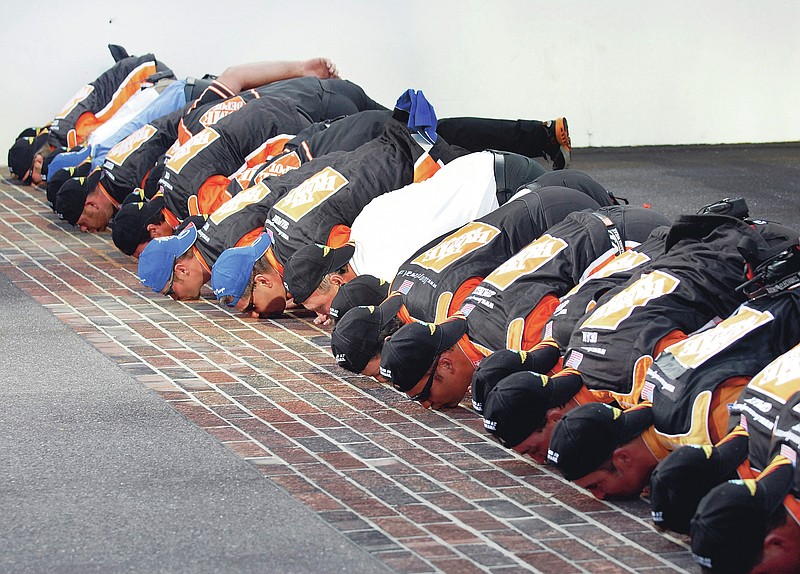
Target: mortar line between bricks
(249, 327)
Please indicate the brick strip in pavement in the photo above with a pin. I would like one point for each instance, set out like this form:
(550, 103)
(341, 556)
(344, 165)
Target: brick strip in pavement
(422, 491)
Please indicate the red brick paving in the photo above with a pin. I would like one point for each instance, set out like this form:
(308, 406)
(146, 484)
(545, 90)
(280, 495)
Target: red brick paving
(422, 491)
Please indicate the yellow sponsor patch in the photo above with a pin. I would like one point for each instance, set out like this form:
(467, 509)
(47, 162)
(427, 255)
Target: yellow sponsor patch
(280, 166)
(120, 152)
(82, 94)
(526, 261)
(470, 237)
(311, 193)
(649, 287)
(694, 351)
(191, 148)
(239, 201)
(219, 111)
(781, 378)
(624, 262)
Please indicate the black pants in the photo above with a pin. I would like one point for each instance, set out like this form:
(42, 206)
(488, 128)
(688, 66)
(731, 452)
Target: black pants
(525, 137)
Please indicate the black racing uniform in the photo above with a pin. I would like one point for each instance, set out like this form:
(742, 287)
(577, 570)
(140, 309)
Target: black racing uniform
(261, 125)
(97, 101)
(463, 135)
(216, 102)
(582, 298)
(334, 196)
(141, 156)
(434, 281)
(706, 257)
(509, 308)
(787, 437)
(128, 163)
(257, 131)
(345, 133)
(323, 99)
(574, 179)
(684, 376)
(765, 397)
(320, 194)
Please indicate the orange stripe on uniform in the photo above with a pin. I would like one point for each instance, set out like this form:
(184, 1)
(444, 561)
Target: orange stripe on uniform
(88, 122)
(104, 191)
(212, 194)
(536, 320)
(424, 168)
(129, 86)
(250, 237)
(339, 235)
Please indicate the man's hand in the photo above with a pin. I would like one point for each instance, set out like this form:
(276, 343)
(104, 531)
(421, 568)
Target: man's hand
(322, 320)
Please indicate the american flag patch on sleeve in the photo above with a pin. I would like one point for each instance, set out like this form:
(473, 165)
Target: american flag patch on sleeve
(574, 360)
(647, 391)
(406, 286)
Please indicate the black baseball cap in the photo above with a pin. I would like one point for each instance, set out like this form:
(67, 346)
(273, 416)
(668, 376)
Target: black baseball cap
(151, 182)
(517, 405)
(129, 226)
(730, 524)
(589, 434)
(49, 159)
(354, 340)
(21, 153)
(59, 178)
(71, 197)
(503, 363)
(410, 352)
(683, 478)
(305, 269)
(361, 291)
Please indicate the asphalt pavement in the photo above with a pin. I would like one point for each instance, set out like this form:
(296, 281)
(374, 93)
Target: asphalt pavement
(99, 474)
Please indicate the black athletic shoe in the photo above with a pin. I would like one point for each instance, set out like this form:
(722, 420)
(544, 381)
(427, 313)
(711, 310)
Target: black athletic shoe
(559, 146)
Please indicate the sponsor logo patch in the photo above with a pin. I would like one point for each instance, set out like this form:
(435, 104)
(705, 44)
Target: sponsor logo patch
(649, 287)
(120, 152)
(191, 148)
(280, 166)
(311, 193)
(694, 351)
(625, 262)
(82, 94)
(239, 202)
(219, 111)
(526, 261)
(470, 237)
(780, 377)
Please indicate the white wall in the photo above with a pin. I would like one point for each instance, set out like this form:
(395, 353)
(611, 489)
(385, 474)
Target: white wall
(626, 72)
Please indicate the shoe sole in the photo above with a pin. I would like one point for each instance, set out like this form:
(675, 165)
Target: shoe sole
(562, 134)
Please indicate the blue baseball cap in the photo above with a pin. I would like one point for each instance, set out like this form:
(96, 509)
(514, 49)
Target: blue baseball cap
(157, 261)
(231, 273)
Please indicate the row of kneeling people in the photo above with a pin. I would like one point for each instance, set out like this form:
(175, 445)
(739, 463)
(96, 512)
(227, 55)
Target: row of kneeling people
(630, 352)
